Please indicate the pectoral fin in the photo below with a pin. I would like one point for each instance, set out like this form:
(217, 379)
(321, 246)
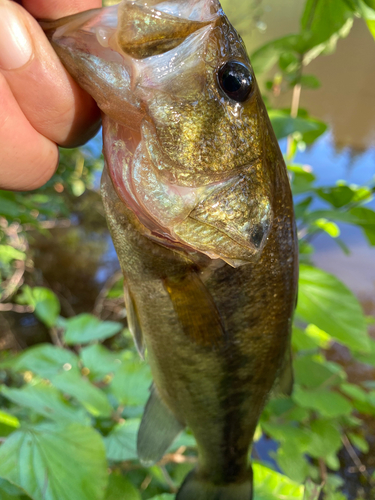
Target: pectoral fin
(158, 430)
(133, 321)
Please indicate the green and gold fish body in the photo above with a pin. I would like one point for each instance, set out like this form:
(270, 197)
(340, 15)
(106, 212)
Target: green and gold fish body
(200, 211)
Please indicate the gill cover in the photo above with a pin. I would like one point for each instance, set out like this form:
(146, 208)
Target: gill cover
(182, 121)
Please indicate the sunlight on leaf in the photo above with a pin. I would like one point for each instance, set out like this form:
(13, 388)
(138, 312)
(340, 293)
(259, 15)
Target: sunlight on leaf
(86, 328)
(320, 301)
(56, 462)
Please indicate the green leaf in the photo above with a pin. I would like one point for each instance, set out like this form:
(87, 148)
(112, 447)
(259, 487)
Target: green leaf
(312, 490)
(329, 227)
(323, 19)
(44, 360)
(321, 338)
(365, 218)
(325, 302)
(10, 492)
(329, 403)
(121, 442)
(310, 82)
(292, 462)
(301, 341)
(60, 366)
(45, 303)
(288, 62)
(164, 496)
(8, 253)
(269, 485)
(91, 398)
(268, 55)
(56, 462)
(8, 420)
(302, 181)
(371, 27)
(312, 374)
(86, 328)
(337, 196)
(47, 401)
(8, 206)
(120, 488)
(131, 383)
(100, 361)
(359, 442)
(325, 439)
(283, 124)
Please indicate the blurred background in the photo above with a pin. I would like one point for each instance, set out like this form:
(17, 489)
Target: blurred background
(59, 272)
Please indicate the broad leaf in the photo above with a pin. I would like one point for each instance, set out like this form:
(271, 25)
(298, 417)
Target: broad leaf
(131, 382)
(292, 462)
(91, 398)
(325, 302)
(312, 490)
(323, 19)
(337, 196)
(8, 253)
(311, 374)
(56, 462)
(60, 366)
(44, 360)
(325, 439)
(284, 125)
(86, 328)
(100, 361)
(45, 303)
(121, 442)
(266, 56)
(302, 181)
(165, 496)
(329, 403)
(269, 485)
(47, 401)
(120, 488)
(8, 423)
(10, 492)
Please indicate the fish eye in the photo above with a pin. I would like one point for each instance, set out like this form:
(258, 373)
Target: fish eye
(235, 80)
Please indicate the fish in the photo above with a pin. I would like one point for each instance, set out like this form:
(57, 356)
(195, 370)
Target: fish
(199, 206)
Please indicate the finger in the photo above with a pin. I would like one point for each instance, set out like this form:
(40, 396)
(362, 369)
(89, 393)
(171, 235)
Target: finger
(53, 103)
(27, 158)
(53, 9)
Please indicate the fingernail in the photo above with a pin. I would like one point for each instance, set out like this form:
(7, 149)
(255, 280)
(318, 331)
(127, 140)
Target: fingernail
(15, 42)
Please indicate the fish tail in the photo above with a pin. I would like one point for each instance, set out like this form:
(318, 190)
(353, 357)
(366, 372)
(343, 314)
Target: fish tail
(196, 488)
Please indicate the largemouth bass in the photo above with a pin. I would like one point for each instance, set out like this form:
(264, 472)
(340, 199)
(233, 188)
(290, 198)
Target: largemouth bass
(199, 206)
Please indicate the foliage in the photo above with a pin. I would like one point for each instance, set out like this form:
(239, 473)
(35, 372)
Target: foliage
(70, 409)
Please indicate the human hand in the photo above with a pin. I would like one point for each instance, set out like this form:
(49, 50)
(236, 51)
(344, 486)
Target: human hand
(40, 104)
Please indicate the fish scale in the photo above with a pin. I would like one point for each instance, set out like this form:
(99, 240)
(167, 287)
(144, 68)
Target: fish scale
(199, 207)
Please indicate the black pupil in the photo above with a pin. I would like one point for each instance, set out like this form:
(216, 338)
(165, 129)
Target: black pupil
(235, 80)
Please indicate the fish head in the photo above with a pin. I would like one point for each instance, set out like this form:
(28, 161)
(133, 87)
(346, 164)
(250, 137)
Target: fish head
(187, 140)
